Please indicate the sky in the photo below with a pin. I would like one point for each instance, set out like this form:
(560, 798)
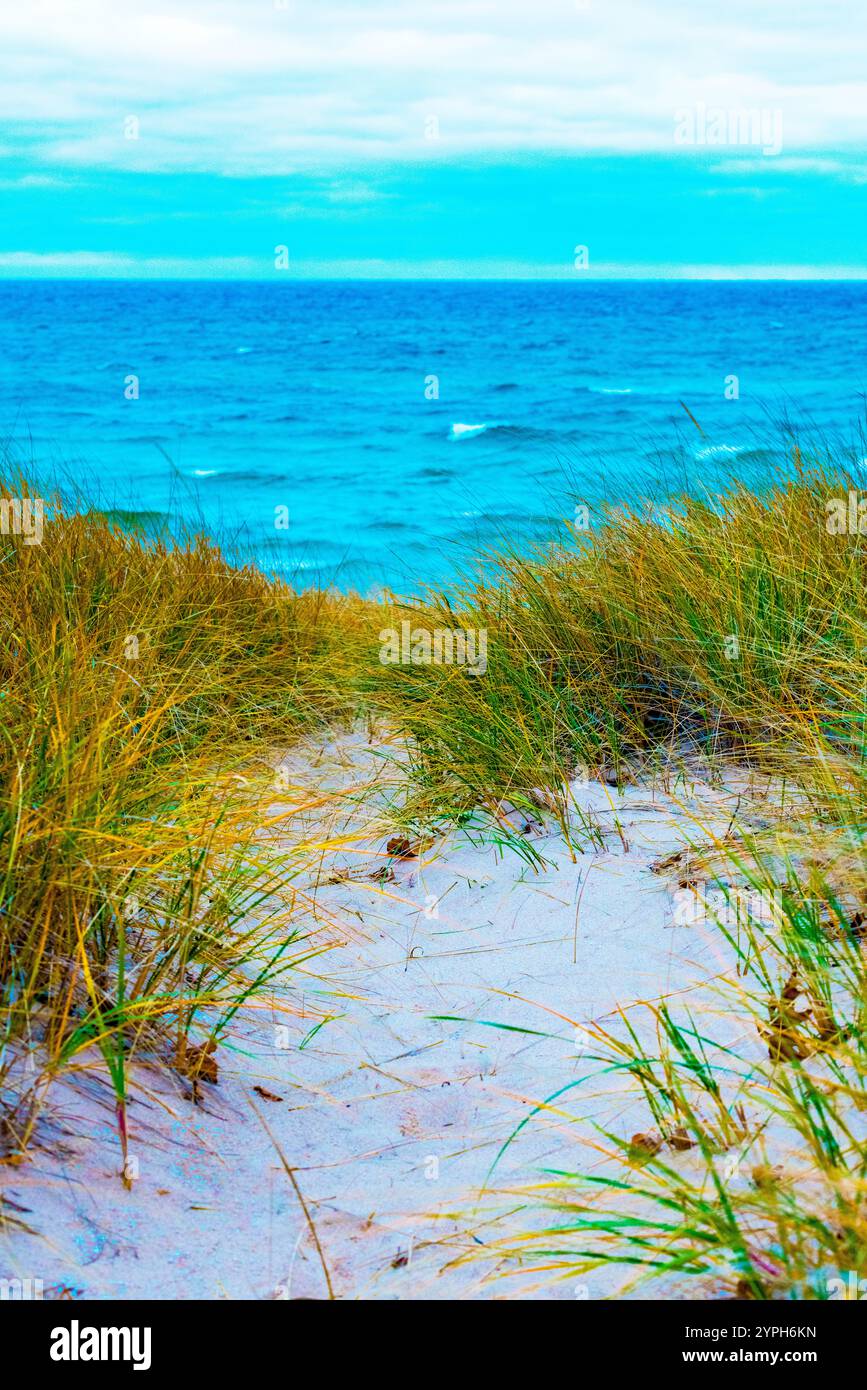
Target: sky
(444, 138)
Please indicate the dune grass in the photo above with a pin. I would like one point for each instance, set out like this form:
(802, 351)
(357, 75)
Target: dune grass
(146, 686)
(735, 623)
(748, 1176)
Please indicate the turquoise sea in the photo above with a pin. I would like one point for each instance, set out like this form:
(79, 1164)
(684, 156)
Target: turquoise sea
(397, 426)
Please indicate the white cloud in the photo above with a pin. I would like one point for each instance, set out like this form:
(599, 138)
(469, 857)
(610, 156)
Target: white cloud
(116, 265)
(242, 86)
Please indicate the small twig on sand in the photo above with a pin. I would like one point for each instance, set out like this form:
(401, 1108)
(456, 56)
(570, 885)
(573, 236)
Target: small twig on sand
(290, 1173)
(577, 913)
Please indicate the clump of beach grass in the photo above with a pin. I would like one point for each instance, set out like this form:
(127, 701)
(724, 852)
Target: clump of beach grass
(734, 624)
(144, 688)
(748, 1175)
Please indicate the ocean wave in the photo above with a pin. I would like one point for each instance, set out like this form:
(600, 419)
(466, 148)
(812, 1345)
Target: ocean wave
(290, 565)
(719, 451)
(248, 475)
(459, 431)
(522, 434)
(388, 524)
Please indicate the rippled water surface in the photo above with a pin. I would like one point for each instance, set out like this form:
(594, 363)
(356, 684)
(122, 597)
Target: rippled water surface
(400, 424)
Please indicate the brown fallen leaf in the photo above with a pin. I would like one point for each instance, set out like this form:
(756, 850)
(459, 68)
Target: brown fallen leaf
(668, 861)
(400, 848)
(764, 1175)
(784, 1032)
(679, 1139)
(643, 1146)
(198, 1063)
(266, 1095)
(382, 875)
(784, 1045)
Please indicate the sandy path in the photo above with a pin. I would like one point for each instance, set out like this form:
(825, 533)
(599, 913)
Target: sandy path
(391, 1116)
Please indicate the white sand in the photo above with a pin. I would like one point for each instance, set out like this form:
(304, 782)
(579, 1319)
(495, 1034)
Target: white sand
(390, 1118)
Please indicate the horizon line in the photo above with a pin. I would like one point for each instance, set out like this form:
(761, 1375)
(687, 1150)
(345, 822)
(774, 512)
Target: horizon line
(819, 279)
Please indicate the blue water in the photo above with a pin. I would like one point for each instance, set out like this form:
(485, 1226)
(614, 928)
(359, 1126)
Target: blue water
(312, 396)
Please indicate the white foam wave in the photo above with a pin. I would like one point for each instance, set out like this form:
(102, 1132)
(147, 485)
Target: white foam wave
(720, 451)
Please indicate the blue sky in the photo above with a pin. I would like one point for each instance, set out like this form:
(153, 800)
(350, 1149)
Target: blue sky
(479, 138)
